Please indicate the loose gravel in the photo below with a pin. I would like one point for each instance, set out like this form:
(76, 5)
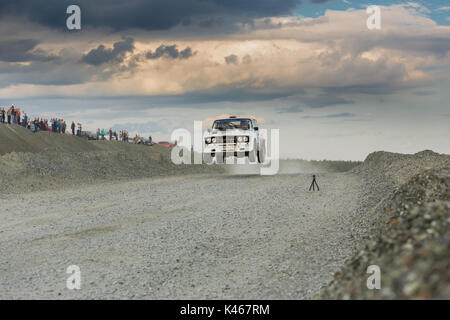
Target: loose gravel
(186, 237)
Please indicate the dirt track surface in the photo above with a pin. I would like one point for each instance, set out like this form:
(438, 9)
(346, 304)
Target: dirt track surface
(189, 237)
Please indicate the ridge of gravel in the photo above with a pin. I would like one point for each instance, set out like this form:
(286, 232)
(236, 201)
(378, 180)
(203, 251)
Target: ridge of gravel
(47, 160)
(409, 237)
(22, 172)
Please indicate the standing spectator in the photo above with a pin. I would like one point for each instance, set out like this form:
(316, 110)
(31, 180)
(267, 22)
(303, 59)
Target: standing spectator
(103, 134)
(72, 126)
(18, 116)
(98, 133)
(63, 127)
(2, 114)
(24, 120)
(110, 134)
(9, 113)
(13, 114)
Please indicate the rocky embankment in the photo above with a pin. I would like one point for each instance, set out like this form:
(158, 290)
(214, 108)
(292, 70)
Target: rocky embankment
(410, 238)
(45, 160)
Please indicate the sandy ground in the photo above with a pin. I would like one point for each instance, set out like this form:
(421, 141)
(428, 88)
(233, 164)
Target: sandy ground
(188, 237)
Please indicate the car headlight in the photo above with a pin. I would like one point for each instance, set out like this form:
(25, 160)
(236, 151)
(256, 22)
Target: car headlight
(214, 140)
(208, 140)
(245, 139)
(239, 139)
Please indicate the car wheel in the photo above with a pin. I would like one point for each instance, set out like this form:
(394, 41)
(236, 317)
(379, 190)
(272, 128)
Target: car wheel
(252, 154)
(262, 153)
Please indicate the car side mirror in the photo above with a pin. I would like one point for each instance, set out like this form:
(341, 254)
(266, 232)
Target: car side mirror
(256, 128)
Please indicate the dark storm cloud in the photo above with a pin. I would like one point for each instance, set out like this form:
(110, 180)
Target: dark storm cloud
(325, 100)
(331, 116)
(291, 109)
(320, 101)
(247, 59)
(170, 52)
(199, 98)
(423, 93)
(102, 55)
(376, 88)
(23, 50)
(202, 98)
(231, 59)
(230, 93)
(144, 14)
(57, 73)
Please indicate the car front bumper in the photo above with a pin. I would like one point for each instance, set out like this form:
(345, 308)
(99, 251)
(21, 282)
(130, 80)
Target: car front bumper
(228, 148)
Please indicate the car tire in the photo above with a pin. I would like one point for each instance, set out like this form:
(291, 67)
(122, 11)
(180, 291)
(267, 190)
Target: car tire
(252, 154)
(262, 153)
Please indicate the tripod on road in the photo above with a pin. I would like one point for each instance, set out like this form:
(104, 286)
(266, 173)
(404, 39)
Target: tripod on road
(314, 183)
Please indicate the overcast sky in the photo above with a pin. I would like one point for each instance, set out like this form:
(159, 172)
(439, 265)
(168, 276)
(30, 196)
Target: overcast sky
(311, 68)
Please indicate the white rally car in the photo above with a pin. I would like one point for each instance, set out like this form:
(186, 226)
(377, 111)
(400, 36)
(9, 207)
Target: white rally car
(239, 137)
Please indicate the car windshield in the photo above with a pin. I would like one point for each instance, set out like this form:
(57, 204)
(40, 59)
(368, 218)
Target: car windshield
(227, 124)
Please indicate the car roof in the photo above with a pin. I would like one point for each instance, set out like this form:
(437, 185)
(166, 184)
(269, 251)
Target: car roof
(233, 119)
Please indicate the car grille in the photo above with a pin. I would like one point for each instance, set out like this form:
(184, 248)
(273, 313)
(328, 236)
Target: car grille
(226, 139)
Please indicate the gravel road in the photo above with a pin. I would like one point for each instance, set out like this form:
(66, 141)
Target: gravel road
(184, 237)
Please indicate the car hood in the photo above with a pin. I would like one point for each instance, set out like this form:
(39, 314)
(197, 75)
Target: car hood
(234, 132)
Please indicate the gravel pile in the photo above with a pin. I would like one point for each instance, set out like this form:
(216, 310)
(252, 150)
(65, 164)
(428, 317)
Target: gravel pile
(18, 139)
(27, 171)
(409, 237)
(46, 160)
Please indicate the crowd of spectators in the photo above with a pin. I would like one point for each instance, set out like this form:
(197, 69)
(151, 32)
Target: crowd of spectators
(100, 135)
(13, 115)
